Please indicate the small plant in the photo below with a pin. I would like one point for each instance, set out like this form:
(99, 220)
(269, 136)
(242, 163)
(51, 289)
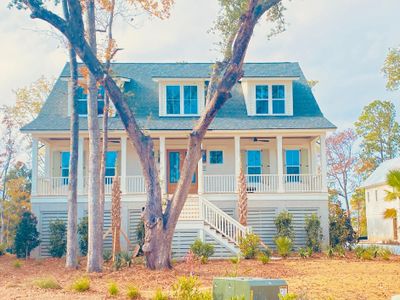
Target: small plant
(340, 251)
(47, 283)
(284, 246)
(159, 295)
(83, 235)
(288, 296)
(384, 253)
(17, 264)
(58, 238)
(27, 236)
(81, 284)
(3, 248)
(187, 288)
(126, 258)
(263, 257)
(314, 232)
(113, 289)
(190, 260)
(283, 224)
(330, 252)
(238, 298)
(248, 245)
(107, 255)
(303, 252)
(133, 292)
(202, 250)
(118, 262)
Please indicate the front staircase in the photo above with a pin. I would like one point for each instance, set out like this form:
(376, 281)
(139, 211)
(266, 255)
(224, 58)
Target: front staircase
(217, 226)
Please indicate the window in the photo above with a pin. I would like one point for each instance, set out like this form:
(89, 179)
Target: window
(65, 167)
(173, 100)
(190, 99)
(261, 99)
(216, 157)
(278, 99)
(253, 162)
(292, 162)
(174, 167)
(182, 99)
(82, 101)
(111, 159)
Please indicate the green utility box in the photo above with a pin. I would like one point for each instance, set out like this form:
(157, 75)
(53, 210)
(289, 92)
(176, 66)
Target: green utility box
(226, 288)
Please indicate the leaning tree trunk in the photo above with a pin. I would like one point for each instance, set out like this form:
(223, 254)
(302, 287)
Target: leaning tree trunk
(95, 236)
(116, 216)
(242, 203)
(72, 238)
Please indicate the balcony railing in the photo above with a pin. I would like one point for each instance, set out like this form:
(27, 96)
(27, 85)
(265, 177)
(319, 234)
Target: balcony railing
(257, 183)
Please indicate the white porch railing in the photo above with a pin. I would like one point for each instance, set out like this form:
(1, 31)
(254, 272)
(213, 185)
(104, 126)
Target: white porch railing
(221, 222)
(135, 185)
(107, 184)
(262, 183)
(52, 186)
(219, 183)
(302, 183)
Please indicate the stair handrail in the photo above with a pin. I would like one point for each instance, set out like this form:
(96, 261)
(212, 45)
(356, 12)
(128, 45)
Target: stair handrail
(220, 221)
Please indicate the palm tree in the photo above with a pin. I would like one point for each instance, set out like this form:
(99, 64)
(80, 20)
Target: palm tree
(393, 180)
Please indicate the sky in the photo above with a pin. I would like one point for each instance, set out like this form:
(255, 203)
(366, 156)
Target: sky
(340, 43)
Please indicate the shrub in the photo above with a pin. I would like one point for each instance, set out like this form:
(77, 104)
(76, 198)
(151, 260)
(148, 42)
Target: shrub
(202, 250)
(284, 246)
(340, 229)
(133, 292)
(303, 253)
(330, 252)
(283, 224)
(159, 295)
(248, 245)
(340, 250)
(384, 253)
(314, 232)
(107, 255)
(288, 296)
(263, 257)
(238, 298)
(17, 264)
(187, 288)
(27, 236)
(113, 289)
(81, 284)
(58, 238)
(83, 235)
(47, 283)
(3, 248)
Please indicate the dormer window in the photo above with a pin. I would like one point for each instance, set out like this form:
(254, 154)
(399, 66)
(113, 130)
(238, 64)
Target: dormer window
(261, 99)
(278, 99)
(82, 101)
(182, 99)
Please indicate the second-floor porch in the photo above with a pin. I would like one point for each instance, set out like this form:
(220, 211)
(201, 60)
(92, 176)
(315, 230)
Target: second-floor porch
(272, 163)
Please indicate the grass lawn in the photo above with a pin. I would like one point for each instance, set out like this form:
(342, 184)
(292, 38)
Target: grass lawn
(317, 278)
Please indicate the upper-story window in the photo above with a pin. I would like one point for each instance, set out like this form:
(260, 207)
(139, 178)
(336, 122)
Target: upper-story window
(278, 99)
(82, 101)
(261, 99)
(182, 99)
(111, 161)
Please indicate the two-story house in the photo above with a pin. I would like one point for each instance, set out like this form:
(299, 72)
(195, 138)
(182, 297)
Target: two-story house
(272, 127)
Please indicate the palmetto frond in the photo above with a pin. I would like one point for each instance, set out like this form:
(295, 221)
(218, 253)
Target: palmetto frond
(390, 213)
(393, 179)
(391, 196)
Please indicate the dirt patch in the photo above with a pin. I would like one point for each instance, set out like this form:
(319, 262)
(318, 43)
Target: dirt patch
(318, 278)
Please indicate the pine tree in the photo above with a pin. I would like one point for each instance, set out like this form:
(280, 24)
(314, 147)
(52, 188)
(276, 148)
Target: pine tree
(242, 203)
(116, 215)
(27, 236)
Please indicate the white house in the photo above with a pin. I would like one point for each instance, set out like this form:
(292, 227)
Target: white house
(378, 228)
(272, 126)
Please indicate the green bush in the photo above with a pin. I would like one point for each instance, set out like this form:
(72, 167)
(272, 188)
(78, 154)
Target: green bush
(133, 292)
(288, 296)
(17, 264)
(284, 246)
(314, 232)
(384, 253)
(187, 288)
(305, 252)
(81, 284)
(122, 259)
(340, 250)
(3, 248)
(263, 257)
(202, 250)
(372, 252)
(283, 224)
(47, 283)
(58, 238)
(27, 236)
(159, 295)
(341, 231)
(248, 245)
(330, 252)
(113, 289)
(107, 255)
(83, 234)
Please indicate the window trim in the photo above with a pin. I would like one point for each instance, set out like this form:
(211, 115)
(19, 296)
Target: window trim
(262, 99)
(222, 157)
(271, 99)
(278, 99)
(181, 99)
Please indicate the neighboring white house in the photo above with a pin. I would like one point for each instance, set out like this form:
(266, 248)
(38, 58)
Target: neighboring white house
(378, 228)
(272, 127)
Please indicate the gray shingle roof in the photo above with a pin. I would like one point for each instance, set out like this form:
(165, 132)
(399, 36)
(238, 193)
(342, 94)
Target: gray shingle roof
(143, 99)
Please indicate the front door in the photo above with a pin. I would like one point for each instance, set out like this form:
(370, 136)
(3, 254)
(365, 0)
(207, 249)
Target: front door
(175, 162)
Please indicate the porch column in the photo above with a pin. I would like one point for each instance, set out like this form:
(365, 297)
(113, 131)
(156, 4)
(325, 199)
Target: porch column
(313, 154)
(323, 162)
(200, 174)
(47, 160)
(34, 165)
(237, 161)
(279, 153)
(163, 163)
(80, 165)
(123, 164)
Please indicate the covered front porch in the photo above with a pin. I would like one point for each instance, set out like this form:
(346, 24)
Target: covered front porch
(272, 163)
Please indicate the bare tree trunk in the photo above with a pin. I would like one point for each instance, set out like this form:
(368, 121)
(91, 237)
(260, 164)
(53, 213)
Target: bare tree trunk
(95, 240)
(1, 222)
(72, 238)
(395, 229)
(116, 216)
(242, 203)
